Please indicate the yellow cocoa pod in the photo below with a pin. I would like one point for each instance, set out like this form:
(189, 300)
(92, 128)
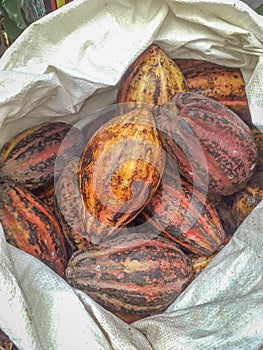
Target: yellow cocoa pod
(119, 170)
(152, 78)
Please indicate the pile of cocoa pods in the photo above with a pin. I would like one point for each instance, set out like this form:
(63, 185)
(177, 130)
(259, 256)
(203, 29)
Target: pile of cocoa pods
(130, 207)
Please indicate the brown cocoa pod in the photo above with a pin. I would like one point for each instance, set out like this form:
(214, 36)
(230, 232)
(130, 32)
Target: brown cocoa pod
(46, 194)
(69, 207)
(248, 198)
(223, 206)
(5, 342)
(258, 138)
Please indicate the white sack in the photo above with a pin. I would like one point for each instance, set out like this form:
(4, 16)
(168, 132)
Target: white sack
(63, 67)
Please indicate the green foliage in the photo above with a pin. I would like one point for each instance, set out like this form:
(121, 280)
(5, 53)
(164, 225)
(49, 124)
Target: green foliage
(259, 10)
(14, 21)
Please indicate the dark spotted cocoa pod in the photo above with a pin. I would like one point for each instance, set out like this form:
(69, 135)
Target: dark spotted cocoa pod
(153, 78)
(29, 158)
(248, 198)
(69, 207)
(211, 144)
(258, 138)
(46, 194)
(221, 83)
(134, 275)
(119, 170)
(184, 214)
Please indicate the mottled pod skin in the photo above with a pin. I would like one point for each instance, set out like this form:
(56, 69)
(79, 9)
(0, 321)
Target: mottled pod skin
(248, 198)
(133, 275)
(258, 138)
(69, 207)
(5, 342)
(46, 194)
(30, 226)
(228, 150)
(184, 215)
(152, 78)
(29, 158)
(199, 263)
(223, 84)
(119, 170)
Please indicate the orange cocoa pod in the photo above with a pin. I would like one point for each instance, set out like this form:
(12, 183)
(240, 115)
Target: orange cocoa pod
(30, 226)
(224, 84)
(152, 78)
(119, 170)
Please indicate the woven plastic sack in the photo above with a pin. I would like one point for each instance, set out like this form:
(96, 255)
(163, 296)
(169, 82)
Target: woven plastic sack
(68, 64)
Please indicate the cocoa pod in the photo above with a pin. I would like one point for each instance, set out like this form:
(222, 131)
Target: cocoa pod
(133, 276)
(211, 144)
(5, 342)
(223, 206)
(30, 226)
(199, 263)
(119, 170)
(153, 78)
(29, 158)
(46, 194)
(248, 198)
(258, 138)
(184, 215)
(69, 207)
(99, 118)
(224, 84)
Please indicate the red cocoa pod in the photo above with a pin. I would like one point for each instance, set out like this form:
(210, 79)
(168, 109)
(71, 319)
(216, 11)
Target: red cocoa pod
(30, 226)
(210, 143)
(224, 84)
(133, 275)
(184, 214)
(29, 158)
(153, 78)
(119, 169)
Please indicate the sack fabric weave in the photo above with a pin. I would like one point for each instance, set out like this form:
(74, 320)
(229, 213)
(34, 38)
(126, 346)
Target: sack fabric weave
(65, 66)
